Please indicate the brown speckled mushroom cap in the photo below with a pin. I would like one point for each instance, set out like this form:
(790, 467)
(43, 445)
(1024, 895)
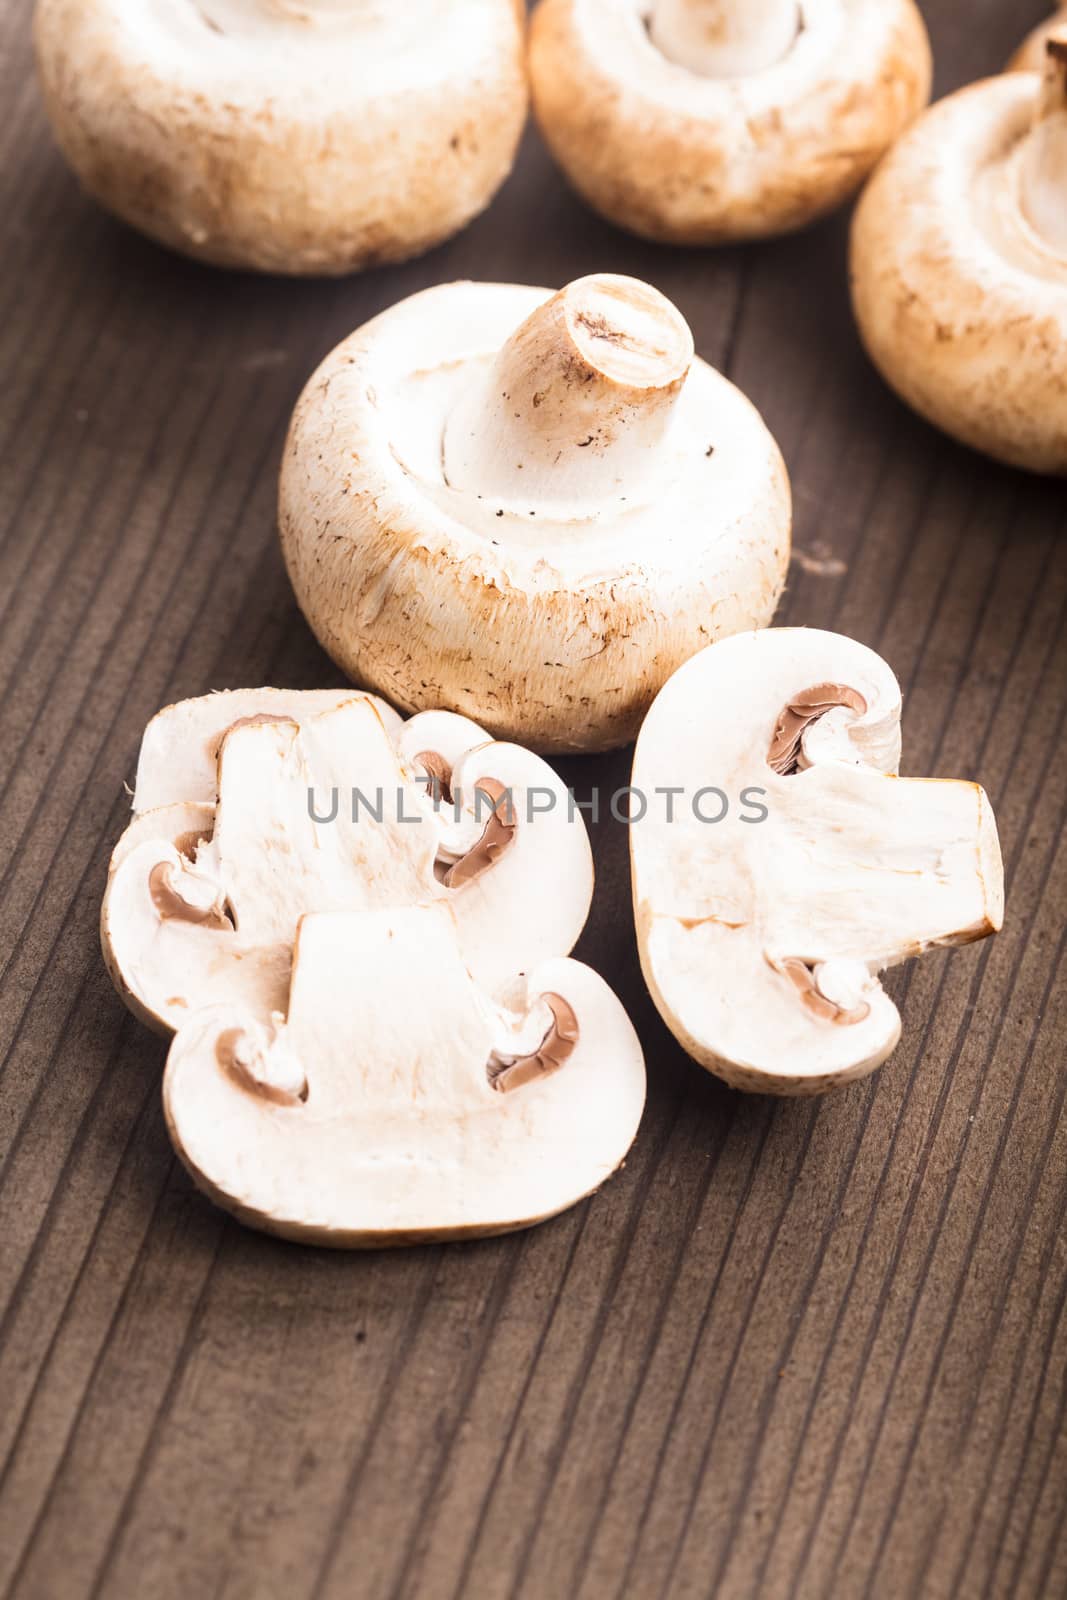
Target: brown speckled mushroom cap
(529, 507)
(697, 121)
(301, 136)
(959, 266)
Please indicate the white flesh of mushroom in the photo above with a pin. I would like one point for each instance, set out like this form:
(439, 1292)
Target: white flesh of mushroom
(399, 1102)
(761, 941)
(179, 754)
(529, 507)
(196, 915)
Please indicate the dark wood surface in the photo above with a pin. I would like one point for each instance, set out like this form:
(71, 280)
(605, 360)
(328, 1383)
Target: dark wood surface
(810, 1349)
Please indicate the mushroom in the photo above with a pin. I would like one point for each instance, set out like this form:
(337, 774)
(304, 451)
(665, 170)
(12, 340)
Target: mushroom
(302, 136)
(1030, 56)
(330, 809)
(529, 507)
(366, 1119)
(781, 864)
(698, 121)
(179, 754)
(959, 266)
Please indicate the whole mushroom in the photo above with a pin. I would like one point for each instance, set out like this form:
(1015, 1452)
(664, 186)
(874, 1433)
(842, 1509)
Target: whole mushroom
(529, 508)
(959, 266)
(698, 121)
(298, 136)
(1030, 56)
(780, 864)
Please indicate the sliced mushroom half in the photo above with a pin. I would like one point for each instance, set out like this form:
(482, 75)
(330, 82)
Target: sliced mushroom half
(791, 864)
(698, 121)
(327, 811)
(398, 1102)
(529, 507)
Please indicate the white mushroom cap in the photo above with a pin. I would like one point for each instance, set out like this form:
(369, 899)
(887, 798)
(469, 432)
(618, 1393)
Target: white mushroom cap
(697, 121)
(1030, 56)
(529, 508)
(306, 136)
(382, 1111)
(761, 939)
(959, 266)
(323, 811)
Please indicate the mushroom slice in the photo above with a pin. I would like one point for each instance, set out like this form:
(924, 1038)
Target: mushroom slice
(698, 121)
(959, 265)
(528, 507)
(180, 747)
(366, 1120)
(1030, 56)
(325, 814)
(769, 893)
(303, 136)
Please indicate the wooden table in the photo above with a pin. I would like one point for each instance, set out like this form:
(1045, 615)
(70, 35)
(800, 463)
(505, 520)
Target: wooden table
(811, 1349)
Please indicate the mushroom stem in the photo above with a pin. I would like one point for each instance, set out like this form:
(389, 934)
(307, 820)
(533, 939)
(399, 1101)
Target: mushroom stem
(1044, 165)
(724, 38)
(577, 401)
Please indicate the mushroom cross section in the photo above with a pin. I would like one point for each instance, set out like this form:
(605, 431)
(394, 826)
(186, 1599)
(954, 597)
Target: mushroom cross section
(327, 811)
(698, 121)
(959, 265)
(529, 507)
(762, 933)
(364, 1119)
(301, 136)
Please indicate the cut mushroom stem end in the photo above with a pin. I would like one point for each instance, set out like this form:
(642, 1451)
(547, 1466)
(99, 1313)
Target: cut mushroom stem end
(579, 396)
(724, 38)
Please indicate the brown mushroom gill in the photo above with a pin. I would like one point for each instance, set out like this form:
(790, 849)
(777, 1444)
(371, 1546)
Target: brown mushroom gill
(172, 905)
(555, 1048)
(802, 978)
(186, 844)
(239, 1056)
(797, 716)
(439, 774)
(497, 836)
